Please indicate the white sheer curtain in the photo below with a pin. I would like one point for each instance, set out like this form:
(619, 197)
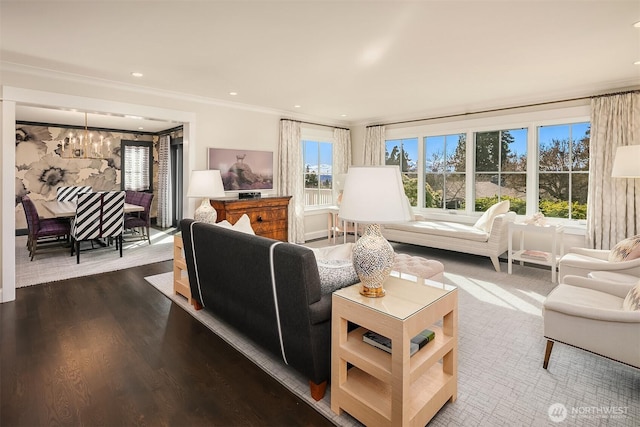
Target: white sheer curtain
(374, 145)
(290, 181)
(613, 204)
(341, 150)
(165, 214)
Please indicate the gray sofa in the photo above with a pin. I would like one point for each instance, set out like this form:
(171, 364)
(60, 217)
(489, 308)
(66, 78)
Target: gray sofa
(230, 274)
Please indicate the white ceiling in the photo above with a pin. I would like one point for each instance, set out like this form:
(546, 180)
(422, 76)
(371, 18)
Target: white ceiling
(371, 61)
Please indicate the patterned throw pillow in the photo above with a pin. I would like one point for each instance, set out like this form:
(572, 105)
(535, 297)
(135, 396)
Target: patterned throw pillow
(336, 274)
(626, 250)
(632, 300)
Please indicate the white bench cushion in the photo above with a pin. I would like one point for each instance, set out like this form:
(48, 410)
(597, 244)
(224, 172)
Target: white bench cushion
(441, 228)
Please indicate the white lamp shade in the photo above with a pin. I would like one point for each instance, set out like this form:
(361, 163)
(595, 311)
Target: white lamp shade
(205, 183)
(627, 162)
(374, 195)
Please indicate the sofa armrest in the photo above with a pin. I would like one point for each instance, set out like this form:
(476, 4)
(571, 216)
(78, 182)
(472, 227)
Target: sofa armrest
(593, 253)
(320, 311)
(618, 289)
(602, 314)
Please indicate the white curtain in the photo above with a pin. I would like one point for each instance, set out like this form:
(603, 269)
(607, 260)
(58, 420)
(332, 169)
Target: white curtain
(374, 145)
(613, 204)
(165, 214)
(290, 182)
(341, 150)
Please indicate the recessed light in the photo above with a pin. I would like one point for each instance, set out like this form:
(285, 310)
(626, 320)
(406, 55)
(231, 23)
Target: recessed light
(233, 93)
(343, 115)
(637, 24)
(636, 63)
(297, 106)
(137, 74)
(133, 117)
(140, 128)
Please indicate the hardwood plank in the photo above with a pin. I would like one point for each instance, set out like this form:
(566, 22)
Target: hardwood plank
(112, 350)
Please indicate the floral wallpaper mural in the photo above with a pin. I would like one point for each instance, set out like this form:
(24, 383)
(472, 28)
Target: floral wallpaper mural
(44, 163)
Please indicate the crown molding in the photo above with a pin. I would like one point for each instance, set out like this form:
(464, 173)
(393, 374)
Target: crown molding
(146, 90)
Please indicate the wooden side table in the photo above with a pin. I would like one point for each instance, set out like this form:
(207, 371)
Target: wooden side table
(394, 389)
(553, 232)
(180, 276)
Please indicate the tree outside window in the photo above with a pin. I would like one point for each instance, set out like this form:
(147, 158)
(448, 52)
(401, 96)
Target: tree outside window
(563, 172)
(445, 164)
(404, 154)
(500, 169)
(318, 172)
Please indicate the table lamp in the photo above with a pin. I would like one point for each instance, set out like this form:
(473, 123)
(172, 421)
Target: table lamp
(373, 195)
(205, 184)
(626, 164)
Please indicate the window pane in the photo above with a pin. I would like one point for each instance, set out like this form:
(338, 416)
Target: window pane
(404, 153)
(455, 193)
(318, 172)
(434, 154)
(514, 145)
(580, 134)
(136, 168)
(434, 190)
(487, 191)
(564, 149)
(456, 153)
(487, 151)
(553, 143)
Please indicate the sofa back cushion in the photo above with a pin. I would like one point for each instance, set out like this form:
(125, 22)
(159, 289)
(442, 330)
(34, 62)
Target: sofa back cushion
(626, 250)
(485, 222)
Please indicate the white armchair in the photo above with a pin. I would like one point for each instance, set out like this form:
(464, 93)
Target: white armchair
(588, 314)
(582, 261)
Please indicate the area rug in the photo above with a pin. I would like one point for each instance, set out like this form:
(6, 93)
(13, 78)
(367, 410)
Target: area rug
(500, 352)
(54, 264)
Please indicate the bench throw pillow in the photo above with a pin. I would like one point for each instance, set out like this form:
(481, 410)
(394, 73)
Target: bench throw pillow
(626, 250)
(335, 267)
(632, 300)
(485, 222)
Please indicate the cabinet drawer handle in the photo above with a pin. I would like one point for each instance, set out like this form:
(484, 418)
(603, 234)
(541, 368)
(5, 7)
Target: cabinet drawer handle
(259, 218)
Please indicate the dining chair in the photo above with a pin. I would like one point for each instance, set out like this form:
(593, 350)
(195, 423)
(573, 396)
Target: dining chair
(70, 193)
(42, 230)
(98, 215)
(139, 220)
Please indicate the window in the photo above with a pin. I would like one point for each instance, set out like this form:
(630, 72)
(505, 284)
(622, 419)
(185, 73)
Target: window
(404, 153)
(318, 172)
(501, 169)
(444, 171)
(137, 165)
(563, 170)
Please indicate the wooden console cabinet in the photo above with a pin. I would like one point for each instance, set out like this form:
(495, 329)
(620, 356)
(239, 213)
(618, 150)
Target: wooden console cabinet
(269, 215)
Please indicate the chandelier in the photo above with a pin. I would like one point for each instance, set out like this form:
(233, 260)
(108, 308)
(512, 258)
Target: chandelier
(85, 145)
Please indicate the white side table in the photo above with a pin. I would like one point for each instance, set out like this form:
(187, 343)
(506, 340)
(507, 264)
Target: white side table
(553, 232)
(337, 225)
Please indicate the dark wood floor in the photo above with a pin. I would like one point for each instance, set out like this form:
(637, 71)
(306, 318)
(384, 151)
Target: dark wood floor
(110, 350)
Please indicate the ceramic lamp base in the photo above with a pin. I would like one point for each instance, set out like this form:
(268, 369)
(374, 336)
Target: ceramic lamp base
(373, 261)
(206, 212)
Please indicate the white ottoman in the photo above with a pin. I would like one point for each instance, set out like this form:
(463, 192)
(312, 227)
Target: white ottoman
(420, 267)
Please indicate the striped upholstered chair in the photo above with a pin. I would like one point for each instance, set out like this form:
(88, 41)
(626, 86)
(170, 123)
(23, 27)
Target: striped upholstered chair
(98, 215)
(42, 230)
(70, 193)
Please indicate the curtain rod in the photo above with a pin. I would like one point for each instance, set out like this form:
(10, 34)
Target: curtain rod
(494, 110)
(315, 124)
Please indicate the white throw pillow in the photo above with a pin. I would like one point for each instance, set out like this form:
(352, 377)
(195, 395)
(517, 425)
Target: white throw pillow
(485, 222)
(243, 225)
(632, 300)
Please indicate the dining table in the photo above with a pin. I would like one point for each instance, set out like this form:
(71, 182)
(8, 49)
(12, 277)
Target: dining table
(67, 208)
